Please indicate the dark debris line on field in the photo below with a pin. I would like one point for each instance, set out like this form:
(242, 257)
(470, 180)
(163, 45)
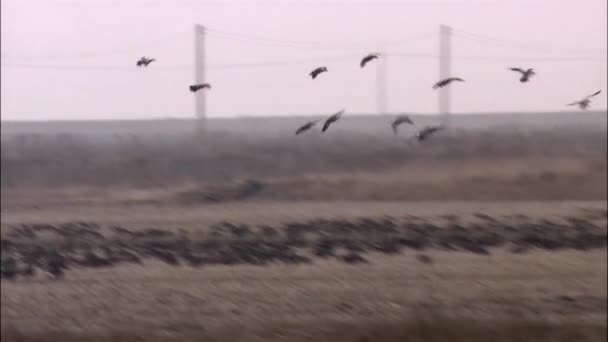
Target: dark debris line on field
(54, 249)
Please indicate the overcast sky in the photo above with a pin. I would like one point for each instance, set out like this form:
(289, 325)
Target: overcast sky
(75, 59)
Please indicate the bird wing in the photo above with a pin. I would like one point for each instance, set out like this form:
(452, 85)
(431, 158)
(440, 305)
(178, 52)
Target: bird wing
(326, 124)
(332, 119)
(367, 58)
(430, 130)
(301, 129)
(363, 61)
(338, 114)
(406, 119)
(594, 94)
(520, 70)
(394, 126)
(573, 103)
(306, 126)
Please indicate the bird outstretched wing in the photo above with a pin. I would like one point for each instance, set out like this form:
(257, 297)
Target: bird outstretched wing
(302, 129)
(394, 127)
(332, 119)
(306, 126)
(196, 87)
(594, 94)
(520, 70)
(439, 84)
(368, 58)
(317, 71)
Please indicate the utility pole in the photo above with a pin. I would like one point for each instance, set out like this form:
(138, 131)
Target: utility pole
(445, 64)
(200, 100)
(381, 85)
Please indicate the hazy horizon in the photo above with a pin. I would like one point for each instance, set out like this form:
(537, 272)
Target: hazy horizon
(75, 60)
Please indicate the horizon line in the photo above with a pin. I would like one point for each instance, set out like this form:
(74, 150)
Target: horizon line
(164, 118)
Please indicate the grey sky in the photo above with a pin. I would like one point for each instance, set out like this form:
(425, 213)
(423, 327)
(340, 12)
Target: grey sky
(69, 59)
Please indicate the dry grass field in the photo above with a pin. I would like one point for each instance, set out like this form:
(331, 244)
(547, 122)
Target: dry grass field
(483, 234)
(431, 294)
(541, 296)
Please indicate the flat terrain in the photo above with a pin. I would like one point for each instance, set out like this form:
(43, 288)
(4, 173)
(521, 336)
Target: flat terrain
(546, 292)
(493, 230)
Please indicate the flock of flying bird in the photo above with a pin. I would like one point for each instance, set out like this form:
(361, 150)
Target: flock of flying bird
(424, 133)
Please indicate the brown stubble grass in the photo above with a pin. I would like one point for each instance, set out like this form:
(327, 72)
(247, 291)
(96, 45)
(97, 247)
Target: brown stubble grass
(537, 296)
(460, 296)
(521, 179)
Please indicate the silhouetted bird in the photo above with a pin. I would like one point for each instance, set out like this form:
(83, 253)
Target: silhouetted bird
(144, 61)
(8, 268)
(196, 87)
(423, 258)
(368, 58)
(446, 81)
(428, 131)
(401, 119)
(306, 126)
(332, 119)
(353, 258)
(525, 74)
(317, 71)
(28, 270)
(56, 264)
(585, 102)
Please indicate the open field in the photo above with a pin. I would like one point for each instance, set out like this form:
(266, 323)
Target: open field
(547, 296)
(245, 150)
(535, 273)
(495, 230)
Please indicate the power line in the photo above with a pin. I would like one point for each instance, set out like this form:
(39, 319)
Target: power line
(90, 67)
(290, 3)
(271, 64)
(308, 44)
(181, 67)
(479, 38)
(506, 58)
(104, 53)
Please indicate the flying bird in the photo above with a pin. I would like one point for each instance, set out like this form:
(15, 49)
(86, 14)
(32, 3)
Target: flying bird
(332, 119)
(401, 119)
(585, 102)
(368, 58)
(446, 81)
(144, 61)
(428, 131)
(306, 126)
(196, 87)
(317, 71)
(525, 74)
